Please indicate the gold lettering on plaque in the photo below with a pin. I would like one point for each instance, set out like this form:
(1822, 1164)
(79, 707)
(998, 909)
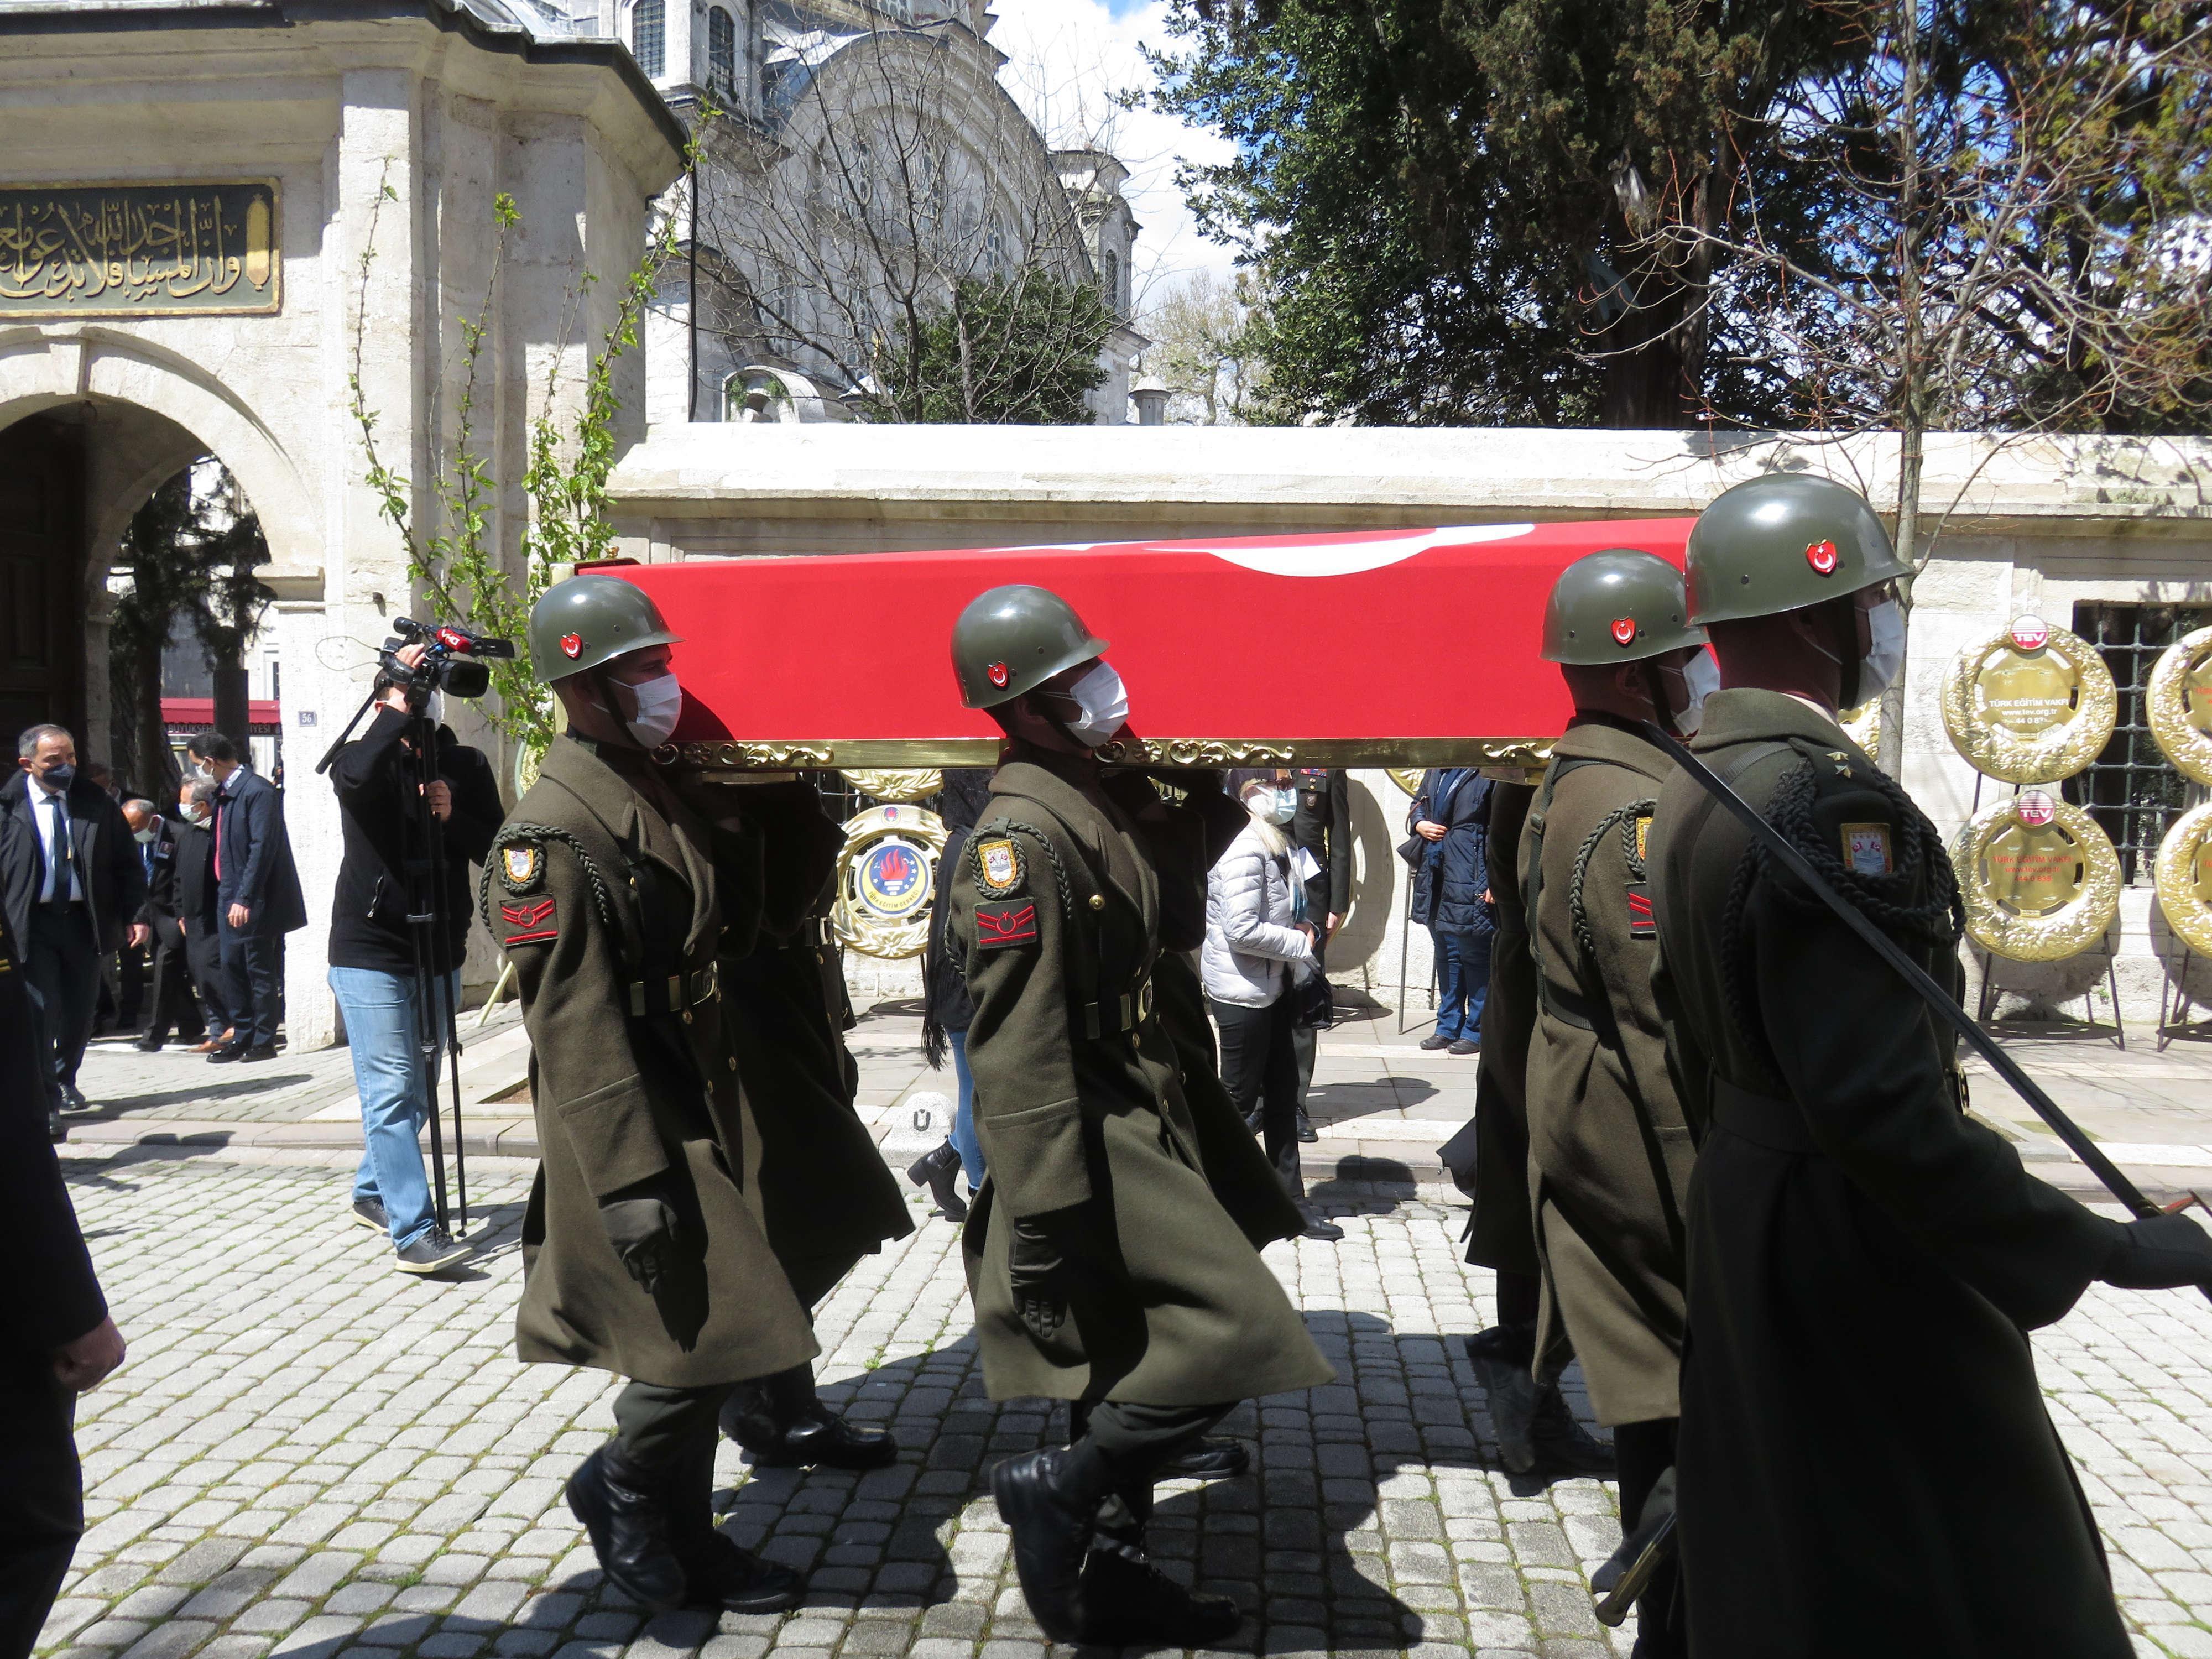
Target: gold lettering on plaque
(146, 250)
(2026, 692)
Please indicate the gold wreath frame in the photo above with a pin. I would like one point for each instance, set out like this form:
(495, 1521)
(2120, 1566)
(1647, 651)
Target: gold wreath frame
(2175, 874)
(2166, 706)
(900, 785)
(1862, 725)
(855, 928)
(2063, 751)
(2067, 931)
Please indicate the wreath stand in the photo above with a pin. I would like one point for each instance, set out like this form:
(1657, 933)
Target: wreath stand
(2174, 1003)
(1991, 990)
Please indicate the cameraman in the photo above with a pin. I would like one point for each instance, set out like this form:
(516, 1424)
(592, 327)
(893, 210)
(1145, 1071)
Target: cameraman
(373, 972)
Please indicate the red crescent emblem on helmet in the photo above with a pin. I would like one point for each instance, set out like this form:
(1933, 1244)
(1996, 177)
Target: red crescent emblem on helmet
(1822, 556)
(572, 645)
(1624, 629)
(996, 670)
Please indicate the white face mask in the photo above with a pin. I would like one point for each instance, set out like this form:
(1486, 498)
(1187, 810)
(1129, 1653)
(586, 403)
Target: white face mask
(1104, 702)
(660, 700)
(1276, 806)
(1702, 676)
(1885, 656)
(191, 814)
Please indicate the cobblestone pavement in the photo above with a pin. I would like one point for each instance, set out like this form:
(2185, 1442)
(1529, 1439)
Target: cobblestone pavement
(309, 1455)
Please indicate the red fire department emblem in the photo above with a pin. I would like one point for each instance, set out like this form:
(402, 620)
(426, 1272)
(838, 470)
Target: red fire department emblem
(1822, 556)
(572, 645)
(996, 670)
(1624, 629)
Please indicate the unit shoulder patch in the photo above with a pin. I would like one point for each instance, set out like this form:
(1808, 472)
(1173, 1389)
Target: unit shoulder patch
(997, 926)
(1867, 849)
(1643, 836)
(530, 921)
(999, 871)
(521, 865)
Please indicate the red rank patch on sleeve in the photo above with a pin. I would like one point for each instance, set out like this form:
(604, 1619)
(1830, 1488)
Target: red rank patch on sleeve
(532, 920)
(1642, 924)
(1000, 925)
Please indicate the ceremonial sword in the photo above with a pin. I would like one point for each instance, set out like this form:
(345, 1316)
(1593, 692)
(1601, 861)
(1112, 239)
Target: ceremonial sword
(2077, 1141)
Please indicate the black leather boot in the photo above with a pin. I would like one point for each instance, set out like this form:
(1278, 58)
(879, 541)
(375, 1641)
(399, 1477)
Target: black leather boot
(1211, 1457)
(782, 1422)
(1051, 1516)
(1503, 1356)
(631, 1529)
(1127, 1601)
(1562, 1443)
(721, 1574)
(937, 1170)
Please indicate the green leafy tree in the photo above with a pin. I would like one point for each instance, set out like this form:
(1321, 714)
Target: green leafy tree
(189, 556)
(1453, 202)
(1018, 350)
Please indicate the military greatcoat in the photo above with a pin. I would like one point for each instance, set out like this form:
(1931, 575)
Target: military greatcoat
(1499, 1234)
(1609, 1150)
(602, 891)
(1865, 1462)
(1080, 1109)
(827, 1196)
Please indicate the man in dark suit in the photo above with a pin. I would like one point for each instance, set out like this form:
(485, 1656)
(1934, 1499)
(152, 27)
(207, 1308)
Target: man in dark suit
(55, 1337)
(73, 885)
(257, 897)
(198, 919)
(173, 1006)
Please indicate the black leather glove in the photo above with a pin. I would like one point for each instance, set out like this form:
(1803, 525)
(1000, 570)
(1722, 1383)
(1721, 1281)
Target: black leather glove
(643, 1231)
(1036, 1266)
(2160, 1253)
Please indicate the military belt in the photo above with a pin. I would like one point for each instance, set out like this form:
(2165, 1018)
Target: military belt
(1112, 1017)
(676, 994)
(1762, 1120)
(1570, 1007)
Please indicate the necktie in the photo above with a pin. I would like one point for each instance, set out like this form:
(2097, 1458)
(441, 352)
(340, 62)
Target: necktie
(64, 855)
(218, 835)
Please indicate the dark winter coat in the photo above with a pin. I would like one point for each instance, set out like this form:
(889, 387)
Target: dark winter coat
(1451, 876)
(826, 1197)
(1500, 1231)
(108, 866)
(1610, 1150)
(1865, 1463)
(255, 854)
(1088, 1136)
(606, 889)
(944, 1004)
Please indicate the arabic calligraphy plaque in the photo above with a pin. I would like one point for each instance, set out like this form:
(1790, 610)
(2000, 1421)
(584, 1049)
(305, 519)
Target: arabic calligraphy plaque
(162, 250)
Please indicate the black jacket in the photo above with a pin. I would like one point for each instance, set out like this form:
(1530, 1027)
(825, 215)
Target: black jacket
(368, 911)
(1323, 825)
(158, 858)
(255, 857)
(193, 865)
(1451, 875)
(53, 1298)
(114, 880)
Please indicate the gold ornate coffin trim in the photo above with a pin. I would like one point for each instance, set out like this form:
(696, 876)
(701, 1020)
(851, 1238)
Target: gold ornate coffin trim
(2183, 875)
(2061, 748)
(2091, 899)
(2166, 706)
(902, 753)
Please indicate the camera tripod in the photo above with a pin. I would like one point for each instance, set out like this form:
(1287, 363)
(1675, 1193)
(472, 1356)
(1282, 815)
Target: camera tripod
(436, 1018)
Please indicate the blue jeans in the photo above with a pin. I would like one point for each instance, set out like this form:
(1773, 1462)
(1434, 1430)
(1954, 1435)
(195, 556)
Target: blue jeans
(1463, 979)
(381, 1009)
(963, 1115)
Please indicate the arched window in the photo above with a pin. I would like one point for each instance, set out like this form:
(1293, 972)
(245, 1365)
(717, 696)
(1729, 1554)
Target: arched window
(1113, 279)
(722, 52)
(648, 36)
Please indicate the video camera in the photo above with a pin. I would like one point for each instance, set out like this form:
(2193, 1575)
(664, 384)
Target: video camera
(454, 665)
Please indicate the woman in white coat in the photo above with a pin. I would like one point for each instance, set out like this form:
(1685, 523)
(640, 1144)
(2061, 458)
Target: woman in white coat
(1256, 948)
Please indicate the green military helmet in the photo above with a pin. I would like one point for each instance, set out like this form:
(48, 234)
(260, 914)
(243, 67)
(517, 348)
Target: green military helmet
(1784, 542)
(588, 620)
(1012, 639)
(1621, 605)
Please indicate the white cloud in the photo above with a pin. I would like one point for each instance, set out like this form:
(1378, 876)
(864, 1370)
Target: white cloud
(1067, 60)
